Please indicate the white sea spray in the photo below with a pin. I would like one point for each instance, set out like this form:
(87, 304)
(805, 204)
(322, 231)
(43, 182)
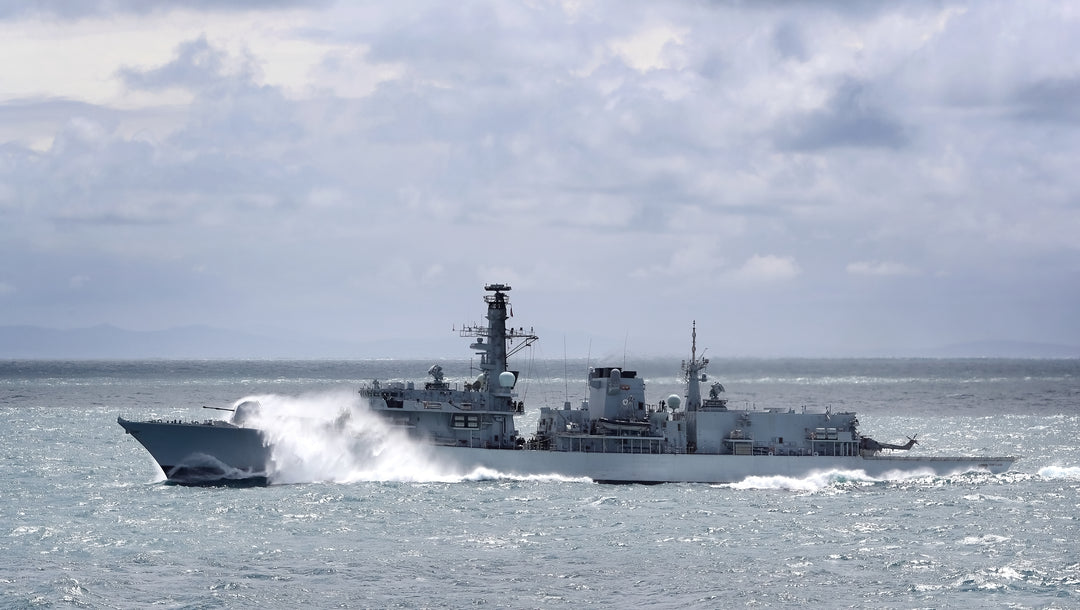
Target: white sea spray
(332, 436)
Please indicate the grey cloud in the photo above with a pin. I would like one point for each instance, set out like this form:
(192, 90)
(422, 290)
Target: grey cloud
(477, 40)
(444, 33)
(789, 41)
(82, 9)
(512, 142)
(198, 67)
(845, 8)
(852, 118)
(54, 110)
(223, 159)
(234, 112)
(1052, 99)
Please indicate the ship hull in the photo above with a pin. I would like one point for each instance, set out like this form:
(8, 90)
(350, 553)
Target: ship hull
(203, 453)
(197, 453)
(703, 468)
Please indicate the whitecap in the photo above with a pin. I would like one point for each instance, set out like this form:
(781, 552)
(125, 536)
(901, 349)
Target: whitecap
(1060, 472)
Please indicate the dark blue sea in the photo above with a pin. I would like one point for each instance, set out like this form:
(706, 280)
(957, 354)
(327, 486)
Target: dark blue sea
(87, 521)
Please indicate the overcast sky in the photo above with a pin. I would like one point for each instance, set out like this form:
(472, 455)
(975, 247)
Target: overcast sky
(814, 178)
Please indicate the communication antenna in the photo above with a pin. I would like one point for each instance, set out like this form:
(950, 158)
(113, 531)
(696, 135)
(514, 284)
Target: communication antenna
(565, 373)
(626, 339)
(531, 371)
(588, 364)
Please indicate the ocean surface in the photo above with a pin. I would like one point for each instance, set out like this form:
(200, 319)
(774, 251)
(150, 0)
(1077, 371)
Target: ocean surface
(87, 521)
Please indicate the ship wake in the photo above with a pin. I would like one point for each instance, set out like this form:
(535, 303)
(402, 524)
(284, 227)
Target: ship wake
(822, 480)
(487, 474)
(1059, 472)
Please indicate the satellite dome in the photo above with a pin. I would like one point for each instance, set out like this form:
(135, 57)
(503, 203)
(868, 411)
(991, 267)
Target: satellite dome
(507, 379)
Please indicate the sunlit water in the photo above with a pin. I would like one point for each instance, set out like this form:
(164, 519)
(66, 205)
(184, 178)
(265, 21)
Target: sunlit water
(86, 520)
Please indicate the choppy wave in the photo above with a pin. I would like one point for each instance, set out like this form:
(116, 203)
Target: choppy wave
(487, 474)
(818, 481)
(1060, 472)
(812, 482)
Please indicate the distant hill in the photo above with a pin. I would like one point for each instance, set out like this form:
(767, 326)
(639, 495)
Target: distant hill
(1007, 349)
(109, 342)
(204, 342)
(196, 342)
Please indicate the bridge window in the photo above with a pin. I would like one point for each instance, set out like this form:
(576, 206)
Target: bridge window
(463, 420)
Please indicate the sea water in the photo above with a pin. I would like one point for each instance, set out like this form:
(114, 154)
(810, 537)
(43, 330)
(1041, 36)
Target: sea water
(86, 519)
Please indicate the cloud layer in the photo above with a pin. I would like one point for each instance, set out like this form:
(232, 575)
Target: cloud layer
(802, 179)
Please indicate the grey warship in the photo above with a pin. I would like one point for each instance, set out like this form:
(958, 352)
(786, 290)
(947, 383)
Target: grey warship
(615, 436)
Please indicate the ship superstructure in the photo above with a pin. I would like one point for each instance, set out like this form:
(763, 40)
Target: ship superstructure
(617, 419)
(482, 414)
